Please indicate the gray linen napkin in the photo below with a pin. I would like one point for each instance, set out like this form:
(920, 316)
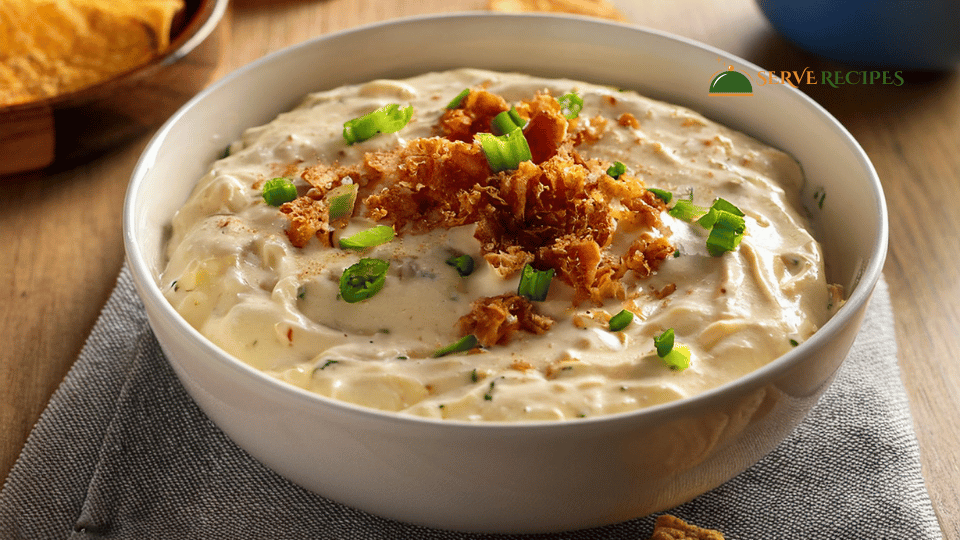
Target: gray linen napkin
(123, 452)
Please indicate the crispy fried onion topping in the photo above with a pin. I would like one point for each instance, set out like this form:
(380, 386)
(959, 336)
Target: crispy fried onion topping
(556, 211)
(493, 320)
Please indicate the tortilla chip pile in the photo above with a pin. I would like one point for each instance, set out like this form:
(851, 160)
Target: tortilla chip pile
(51, 47)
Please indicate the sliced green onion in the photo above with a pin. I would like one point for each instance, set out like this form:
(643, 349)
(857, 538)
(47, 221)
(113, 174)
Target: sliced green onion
(686, 210)
(662, 194)
(463, 344)
(621, 320)
(387, 119)
(615, 170)
(342, 198)
(279, 191)
(719, 205)
(455, 102)
(535, 284)
(664, 342)
(726, 225)
(726, 234)
(678, 359)
(489, 395)
(570, 105)
(375, 236)
(820, 195)
(505, 152)
(507, 121)
(463, 264)
(726, 206)
(363, 280)
(723, 219)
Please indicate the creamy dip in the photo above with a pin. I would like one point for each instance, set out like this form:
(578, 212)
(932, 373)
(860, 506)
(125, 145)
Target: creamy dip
(234, 275)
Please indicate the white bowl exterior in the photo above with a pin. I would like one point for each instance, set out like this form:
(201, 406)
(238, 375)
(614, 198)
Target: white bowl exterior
(510, 477)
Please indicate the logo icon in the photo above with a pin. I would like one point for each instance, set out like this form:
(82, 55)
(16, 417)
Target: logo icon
(730, 83)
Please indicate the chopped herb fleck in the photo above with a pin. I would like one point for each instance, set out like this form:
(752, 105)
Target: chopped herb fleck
(615, 170)
(489, 395)
(463, 344)
(463, 263)
(278, 191)
(342, 200)
(621, 320)
(570, 105)
(685, 210)
(535, 284)
(724, 221)
(504, 152)
(662, 194)
(726, 225)
(820, 195)
(368, 238)
(676, 358)
(329, 363)
(455, 102)
(664, 342)
(387, 119)
(794, 342)
(363, 280)
(506, 122)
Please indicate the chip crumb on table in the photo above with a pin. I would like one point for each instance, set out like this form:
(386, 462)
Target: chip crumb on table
(592, 8)
(673, 528)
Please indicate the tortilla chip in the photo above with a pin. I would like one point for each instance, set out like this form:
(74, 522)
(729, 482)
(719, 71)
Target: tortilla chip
(673, 528)
(592, 8)
(51, 47)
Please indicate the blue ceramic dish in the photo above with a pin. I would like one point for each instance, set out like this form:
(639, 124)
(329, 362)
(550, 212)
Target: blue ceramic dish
(900, 34)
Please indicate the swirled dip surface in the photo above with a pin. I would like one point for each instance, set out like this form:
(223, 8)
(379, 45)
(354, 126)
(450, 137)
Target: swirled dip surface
(234, 274)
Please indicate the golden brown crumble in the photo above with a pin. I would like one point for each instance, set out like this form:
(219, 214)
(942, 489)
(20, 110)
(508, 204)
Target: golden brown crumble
(628, 120)
(494, 320)
(557, 210)
(673, 528)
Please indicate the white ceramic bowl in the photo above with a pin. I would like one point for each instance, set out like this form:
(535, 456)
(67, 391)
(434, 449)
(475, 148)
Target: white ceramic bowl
(523, 477)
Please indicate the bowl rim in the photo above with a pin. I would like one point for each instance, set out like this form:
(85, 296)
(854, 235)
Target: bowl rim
(197, 29)
(868, 276)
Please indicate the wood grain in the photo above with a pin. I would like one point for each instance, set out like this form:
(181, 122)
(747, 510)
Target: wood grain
(27, 140)
(62, 246)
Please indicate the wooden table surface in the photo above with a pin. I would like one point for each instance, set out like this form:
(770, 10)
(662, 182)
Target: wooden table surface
(61, 249)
